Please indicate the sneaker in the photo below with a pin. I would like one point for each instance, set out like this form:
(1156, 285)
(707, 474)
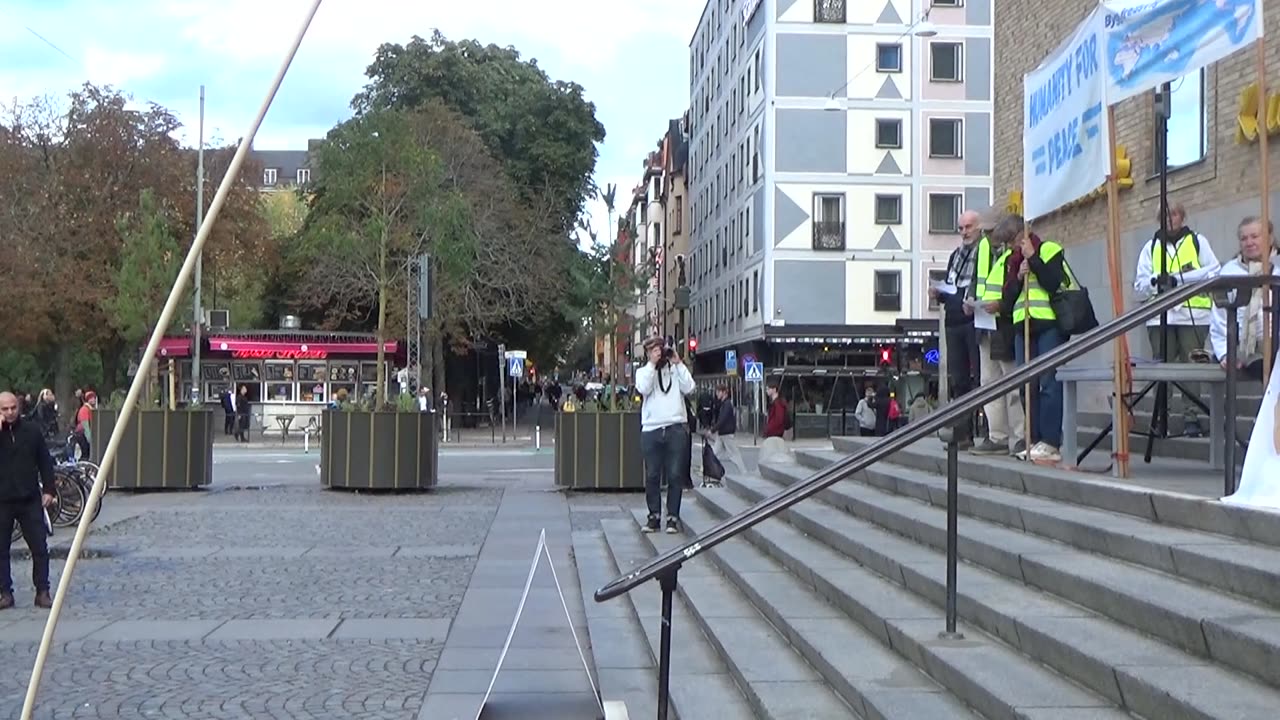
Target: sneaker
(1019, 450)
(990, 447)
(44, 599)
(673, 525)
(651, 525)
(1045, 453)
(6, 600)
(1022, 454)
(1192, 428)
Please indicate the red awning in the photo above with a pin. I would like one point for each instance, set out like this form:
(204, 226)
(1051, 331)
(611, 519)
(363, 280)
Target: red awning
(174, 347)
(293, 349)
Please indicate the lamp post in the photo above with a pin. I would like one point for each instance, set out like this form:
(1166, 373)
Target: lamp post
(197, 311)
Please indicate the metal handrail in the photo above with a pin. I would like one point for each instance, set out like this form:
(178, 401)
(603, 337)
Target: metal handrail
(663, 566)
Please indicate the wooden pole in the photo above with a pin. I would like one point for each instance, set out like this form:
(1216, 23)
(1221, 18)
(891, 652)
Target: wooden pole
(1264, 171)
(1121, 346)
(145, 367)
(1027, 403)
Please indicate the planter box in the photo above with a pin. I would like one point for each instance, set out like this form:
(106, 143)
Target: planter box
(160, 449)
(378, 450)
(599, 451)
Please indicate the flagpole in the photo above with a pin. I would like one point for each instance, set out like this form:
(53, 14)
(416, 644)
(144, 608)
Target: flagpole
(1264, 171)
(1120, 429)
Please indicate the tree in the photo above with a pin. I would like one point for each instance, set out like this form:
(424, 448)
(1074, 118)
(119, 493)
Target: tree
(379, 190)
(149, 263)
(545, 132)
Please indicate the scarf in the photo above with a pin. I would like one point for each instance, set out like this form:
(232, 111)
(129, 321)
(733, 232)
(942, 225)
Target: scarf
(963, 267)
(1249, 340)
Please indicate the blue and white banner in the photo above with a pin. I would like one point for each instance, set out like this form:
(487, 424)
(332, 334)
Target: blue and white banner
(1065, 138)
(1150, 43)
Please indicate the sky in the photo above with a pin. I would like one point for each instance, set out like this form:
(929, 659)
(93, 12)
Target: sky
(632, 60)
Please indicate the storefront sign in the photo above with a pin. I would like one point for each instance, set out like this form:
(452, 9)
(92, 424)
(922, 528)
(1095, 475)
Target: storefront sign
(280, 354)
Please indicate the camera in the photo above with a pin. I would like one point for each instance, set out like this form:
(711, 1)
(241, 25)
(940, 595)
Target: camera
(668, 353)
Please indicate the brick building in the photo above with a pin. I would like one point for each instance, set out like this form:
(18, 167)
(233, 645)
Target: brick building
(1216, 178)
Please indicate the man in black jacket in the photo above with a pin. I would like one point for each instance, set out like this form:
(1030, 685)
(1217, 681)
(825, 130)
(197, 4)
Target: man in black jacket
(26, 488)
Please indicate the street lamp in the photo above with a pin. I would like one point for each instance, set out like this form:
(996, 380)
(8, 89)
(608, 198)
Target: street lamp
(921, 28)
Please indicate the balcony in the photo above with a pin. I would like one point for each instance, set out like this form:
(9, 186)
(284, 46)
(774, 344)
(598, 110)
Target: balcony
(828, 236)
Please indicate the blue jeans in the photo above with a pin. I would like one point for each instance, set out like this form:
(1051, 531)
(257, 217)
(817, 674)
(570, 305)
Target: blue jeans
(666, 451)
(1046, 405)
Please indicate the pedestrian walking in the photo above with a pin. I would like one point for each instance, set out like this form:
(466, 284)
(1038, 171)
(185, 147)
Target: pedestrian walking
(26, 489)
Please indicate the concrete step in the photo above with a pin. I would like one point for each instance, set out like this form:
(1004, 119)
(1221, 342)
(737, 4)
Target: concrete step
(1164, 501)
(1235, 566)
(701, 686)
(1121, 665)
(1207, 623)
(980, 670)
(778, 682)
(625, 669)
(874, 681)
(1174, 448)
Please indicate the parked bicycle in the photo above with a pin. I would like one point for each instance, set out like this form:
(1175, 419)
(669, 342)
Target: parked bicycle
(73, 482)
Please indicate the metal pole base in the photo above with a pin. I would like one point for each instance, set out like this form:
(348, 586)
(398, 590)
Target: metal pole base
(668, 584)
(947, 635)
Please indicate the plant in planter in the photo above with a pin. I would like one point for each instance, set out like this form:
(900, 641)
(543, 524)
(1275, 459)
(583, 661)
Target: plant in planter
(392, 447)
(160, 449)
(598, 443)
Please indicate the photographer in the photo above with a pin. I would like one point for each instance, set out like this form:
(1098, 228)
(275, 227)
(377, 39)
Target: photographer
(663, 384)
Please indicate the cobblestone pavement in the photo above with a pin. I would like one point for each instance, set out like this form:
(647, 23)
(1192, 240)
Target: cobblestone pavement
(287, 602)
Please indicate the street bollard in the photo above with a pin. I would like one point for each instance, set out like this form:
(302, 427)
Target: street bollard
(537, 437)
(306, 441)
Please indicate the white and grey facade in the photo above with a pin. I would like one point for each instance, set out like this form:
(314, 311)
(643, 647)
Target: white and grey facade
(831, 152)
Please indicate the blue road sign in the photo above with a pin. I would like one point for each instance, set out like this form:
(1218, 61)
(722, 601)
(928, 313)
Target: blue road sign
(515, 367)
(731, 362)
(755, 372)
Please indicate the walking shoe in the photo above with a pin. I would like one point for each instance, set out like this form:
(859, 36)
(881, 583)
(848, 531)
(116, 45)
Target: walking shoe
(673, 525)
(1023, 454)
(44, 599)
(1192, 428)
(1045, 453)
(651, 525)
(6, 600)
(1019, 450)
(990, 447)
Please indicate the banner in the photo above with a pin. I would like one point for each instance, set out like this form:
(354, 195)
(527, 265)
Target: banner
(1151, 43)
(1260, 477)
(1065, 139)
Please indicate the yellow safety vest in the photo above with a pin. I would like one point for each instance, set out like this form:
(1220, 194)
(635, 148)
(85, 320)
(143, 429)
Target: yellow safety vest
(1037, 297)
(984, 267)
(993, 286)
(1185, 258)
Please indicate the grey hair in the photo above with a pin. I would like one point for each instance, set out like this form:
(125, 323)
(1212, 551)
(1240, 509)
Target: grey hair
(1008, 229)
(1255, 220)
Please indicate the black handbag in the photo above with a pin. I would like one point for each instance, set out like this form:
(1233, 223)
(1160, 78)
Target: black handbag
(1072, 306)
(1002, 342)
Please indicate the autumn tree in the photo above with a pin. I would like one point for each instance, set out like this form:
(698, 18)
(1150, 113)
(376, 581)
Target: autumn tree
(150, 257)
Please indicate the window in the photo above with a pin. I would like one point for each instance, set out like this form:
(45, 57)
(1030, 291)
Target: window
(944, 213)
(755, 296)
(948, 3)
(888, 286)
(946, 137)
(1188, 121)
(677, 222)
(938, 275)
(304, 176)
(828, 221)
(828, 11)
(889, 58)
(888, 209)
(269, 176)
(946, 62)
(889, 134)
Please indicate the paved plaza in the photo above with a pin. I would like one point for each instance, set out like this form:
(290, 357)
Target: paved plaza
(268, 597)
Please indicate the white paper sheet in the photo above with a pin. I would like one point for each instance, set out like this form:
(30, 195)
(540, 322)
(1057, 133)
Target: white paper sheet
(944, 288)
(983, 320)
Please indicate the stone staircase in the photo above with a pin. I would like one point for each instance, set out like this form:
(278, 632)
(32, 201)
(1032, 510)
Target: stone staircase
(1079, 598)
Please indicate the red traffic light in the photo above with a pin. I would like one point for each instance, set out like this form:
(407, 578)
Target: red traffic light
(886, 356)
(693, 344)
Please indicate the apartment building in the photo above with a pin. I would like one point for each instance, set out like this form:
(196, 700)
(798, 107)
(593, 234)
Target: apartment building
(833, 145)
(284, 169)
(675, 204)
(1213, 167)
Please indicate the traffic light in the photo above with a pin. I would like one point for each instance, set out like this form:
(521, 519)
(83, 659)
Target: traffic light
(1124, 168)
(693, 345)
(886, 357)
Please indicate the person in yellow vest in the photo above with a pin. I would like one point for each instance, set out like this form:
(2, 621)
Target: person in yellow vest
(1166, 261)
(1005, 425)
(1034, 272)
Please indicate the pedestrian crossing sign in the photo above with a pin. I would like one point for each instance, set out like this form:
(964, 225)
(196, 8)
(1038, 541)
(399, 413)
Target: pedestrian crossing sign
(755, 372)
(515, 367)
